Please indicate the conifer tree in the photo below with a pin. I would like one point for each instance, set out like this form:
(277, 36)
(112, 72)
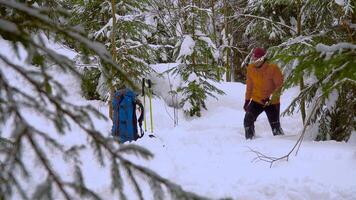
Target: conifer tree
(317, 57)
(321, 54)
(24, 29)
(198, 55)
(132, 48)
(310, 40)
(154, 28)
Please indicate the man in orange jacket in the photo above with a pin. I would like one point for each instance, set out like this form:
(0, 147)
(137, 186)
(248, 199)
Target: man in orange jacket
(263, 86)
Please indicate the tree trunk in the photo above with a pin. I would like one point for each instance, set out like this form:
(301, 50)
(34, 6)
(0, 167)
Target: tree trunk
(237, 69)
(301, 83)
(114, 54)
(193, 34)
(215, 36)
(184, 17)
(212, 5)
(226, 27)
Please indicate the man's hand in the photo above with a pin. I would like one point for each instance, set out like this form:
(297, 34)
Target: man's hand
(246, 104)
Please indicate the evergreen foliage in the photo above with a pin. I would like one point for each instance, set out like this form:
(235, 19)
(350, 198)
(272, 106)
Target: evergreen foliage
(338, 122)
(26, 25)
(314, 43)
(312, 40)
(133, 50)
(153, 31)
(324, 58)
(90, 82)
(293, 31)
(199, 57)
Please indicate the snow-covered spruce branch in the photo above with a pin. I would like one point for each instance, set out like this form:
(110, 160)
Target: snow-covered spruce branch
(298, 40)
(129, 166)
(45, 162)
(223, 47)
(131, 44)
(11, 152)
(98, 48)
(26, 131)
(156, 46)
(119, 18)
(304, 94)
(64, 110)
(138, 45)
(99, 142)
(265, 19)
(162, 16)
(189, 7)
(58, 102)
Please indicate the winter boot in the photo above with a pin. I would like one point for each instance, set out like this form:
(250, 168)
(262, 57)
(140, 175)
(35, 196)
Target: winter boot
(277, 129)
(249, 132)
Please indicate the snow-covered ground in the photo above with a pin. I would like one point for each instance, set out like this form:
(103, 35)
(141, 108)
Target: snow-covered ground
(210, 156)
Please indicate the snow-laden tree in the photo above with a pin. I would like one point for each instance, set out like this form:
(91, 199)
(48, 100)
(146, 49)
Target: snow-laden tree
(314, 41)
(156, 31)
(198, 55)
(121, 26)
(130, 30)
(29, 89)
(133, 26)
(319, 58)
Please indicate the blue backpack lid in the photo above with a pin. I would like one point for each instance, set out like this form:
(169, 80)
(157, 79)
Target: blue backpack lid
(126, 91)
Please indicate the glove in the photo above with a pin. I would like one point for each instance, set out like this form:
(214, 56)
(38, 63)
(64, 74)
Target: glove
(266, 102)
(246, 104)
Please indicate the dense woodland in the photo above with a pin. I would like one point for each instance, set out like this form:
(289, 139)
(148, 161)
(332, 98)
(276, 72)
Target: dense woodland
(313, 42)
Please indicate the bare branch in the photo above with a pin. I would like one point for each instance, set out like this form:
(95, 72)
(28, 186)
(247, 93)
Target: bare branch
(296, 147)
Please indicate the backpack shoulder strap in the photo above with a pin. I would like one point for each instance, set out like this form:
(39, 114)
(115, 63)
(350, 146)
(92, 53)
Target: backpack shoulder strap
(140, 119)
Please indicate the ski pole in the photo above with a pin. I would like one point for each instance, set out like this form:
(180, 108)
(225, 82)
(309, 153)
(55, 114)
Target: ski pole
(150, 97)
(144, 102)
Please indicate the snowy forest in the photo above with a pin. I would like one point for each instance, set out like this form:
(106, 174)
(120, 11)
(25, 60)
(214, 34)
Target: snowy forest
(61, 62)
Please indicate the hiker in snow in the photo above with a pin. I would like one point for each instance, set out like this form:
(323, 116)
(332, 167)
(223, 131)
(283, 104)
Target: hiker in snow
(263, 86)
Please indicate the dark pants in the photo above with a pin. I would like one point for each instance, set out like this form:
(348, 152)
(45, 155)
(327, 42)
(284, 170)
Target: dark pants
(254, 109)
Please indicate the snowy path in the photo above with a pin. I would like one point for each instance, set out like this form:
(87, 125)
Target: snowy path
(210, 156)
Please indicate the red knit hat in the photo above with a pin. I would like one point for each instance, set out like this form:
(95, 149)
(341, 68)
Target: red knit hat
(259, 52)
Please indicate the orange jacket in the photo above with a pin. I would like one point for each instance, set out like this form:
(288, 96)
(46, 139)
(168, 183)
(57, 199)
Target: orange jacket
(262, 82)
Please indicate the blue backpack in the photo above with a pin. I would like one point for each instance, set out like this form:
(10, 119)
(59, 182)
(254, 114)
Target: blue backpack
(124, 116)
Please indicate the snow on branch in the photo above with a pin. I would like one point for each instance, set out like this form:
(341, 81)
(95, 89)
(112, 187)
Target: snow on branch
(346, 6)
(138, 60)
(187, 48)
(158, 46)
(298, 40)
(8, 26)
(335, 47)
(125, 18)
(188, 7)
(265, 19)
